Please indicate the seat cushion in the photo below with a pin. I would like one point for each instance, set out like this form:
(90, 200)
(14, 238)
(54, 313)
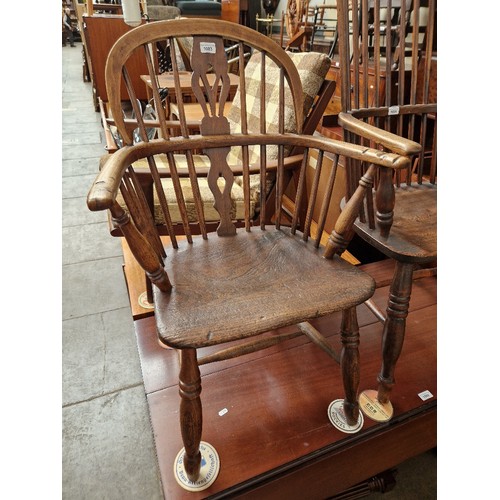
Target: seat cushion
(228, 288)
(312, 68)
(211, 214)
(161, 12)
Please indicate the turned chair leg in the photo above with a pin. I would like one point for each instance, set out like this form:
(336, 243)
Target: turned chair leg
(190, 412)
(349, 362)
(394, 328)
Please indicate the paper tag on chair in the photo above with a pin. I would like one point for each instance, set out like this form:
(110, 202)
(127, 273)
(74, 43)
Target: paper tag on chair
(207, 48)
(394, 110)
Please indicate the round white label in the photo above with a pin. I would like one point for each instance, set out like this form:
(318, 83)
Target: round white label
(337, 418)
(210, 466)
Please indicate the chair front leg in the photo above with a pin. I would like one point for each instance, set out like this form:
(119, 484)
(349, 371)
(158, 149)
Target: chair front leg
(394, 328)
(349, 362)
(190, 412)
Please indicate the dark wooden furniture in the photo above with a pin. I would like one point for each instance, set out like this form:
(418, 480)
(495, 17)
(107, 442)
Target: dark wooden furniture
(237, 283)
(234, 11)
(400, 215)
(324, 29)
(101, 31)
(199, 8)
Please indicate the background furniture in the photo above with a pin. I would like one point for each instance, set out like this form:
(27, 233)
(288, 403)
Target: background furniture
(101, 31)
(400, 215)
(199, 8)
(159, 10)
(235, 11)
(238, 283)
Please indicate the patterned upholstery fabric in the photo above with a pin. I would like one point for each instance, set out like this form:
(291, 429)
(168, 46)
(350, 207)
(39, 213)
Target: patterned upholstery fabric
(312, 67)
(187, 47)
(211, 215)
(160, 12)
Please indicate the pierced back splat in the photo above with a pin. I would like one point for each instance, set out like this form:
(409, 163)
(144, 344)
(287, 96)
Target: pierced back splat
(208, 55)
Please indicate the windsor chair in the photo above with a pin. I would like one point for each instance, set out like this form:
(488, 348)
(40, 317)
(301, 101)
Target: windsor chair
(397, 40)
(235, 283)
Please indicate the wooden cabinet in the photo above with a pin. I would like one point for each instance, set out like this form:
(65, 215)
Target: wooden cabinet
(234, 11)
(101, 32)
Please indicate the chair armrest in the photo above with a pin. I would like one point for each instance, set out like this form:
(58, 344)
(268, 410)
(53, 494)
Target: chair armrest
(390, 141)
(112, 166)
(105, 188)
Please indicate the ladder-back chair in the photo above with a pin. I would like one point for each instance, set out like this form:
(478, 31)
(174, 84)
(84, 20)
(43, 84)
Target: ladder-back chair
(388, 79)
(235, 283)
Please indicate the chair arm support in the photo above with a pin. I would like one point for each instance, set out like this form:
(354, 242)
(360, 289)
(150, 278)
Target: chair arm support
(343, 230)
(390, 141)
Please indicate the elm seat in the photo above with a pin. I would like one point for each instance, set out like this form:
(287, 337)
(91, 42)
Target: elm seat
(283, 290)
(234, 283)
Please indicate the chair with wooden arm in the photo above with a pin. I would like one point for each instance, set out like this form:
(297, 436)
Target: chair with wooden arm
(312, 68)
(233, 285)
(389, 102)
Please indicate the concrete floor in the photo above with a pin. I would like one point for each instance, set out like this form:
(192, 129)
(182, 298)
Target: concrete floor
(107, 443)
(108, 450)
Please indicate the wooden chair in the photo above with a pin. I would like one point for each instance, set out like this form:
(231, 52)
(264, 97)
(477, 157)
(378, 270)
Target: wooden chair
(228, 286)
(389, 102)
(325, 25)
(298, 20)
(312, 68)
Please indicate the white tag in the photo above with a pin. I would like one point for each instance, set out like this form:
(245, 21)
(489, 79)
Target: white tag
(394, 110)
(223, 412)
(207, 48)
(424, 396)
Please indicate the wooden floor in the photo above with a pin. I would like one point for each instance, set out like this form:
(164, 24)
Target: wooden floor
(275, 439)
